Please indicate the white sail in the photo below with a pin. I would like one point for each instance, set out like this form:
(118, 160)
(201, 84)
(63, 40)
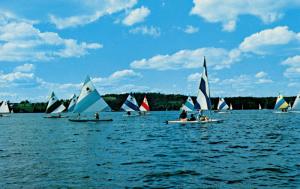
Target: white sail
(130, 104)
(144, 106)
(222, 104)
(296, 105)
(203, 98)
(59, 109)
(89, 99)
(281, 103)
(4, 109)
(259, 106)
(72, 103)
(230, 107)
(188, 105)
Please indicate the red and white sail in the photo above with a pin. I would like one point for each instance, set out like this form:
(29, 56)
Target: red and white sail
(145, 106)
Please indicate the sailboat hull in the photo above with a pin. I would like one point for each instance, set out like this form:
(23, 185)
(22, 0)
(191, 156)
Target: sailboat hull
(194, 122)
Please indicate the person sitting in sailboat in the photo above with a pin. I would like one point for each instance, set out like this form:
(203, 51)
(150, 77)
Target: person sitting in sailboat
(183, 116)
(97, 116)
(192, 118)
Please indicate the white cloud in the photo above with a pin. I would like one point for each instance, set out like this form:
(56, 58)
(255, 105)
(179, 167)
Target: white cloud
(136, 16)
(216, 57)
(259, 42)
(261, 74)
(227, 12)
(191, 29)
(293, 70)
(25, 68)
(97, 9)
(145, 30)
(22, 41)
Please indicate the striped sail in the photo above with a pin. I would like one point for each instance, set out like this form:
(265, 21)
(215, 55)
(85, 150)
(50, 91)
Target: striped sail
(72, 103)
(281, 103)
(59, 109)
(144, 106)
(4, 109)
(130, 104)
(296, 105)
(89, 99)
(188, 105)
(53, 103)
(222, 104)
(203, 98)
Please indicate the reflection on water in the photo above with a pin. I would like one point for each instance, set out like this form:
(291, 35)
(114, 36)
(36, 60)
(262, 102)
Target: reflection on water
(251, 149)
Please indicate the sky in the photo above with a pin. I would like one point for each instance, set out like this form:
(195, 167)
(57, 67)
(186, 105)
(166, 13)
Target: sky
(252, 47)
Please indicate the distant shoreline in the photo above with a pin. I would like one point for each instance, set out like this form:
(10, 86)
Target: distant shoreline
(158, 102)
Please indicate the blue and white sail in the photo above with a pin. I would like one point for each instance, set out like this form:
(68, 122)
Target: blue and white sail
(72, 103)
(89, 100)
(281, 103)
(296, 105)
(203, 98)
(53, 103)
(4, 109)
(130, 104)
(188, 105)
(222, 104)
(59, 109)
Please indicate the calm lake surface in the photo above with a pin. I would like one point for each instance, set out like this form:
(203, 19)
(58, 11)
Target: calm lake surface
(251, 149)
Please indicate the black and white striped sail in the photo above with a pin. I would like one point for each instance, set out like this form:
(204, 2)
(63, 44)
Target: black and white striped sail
(222, 104)
(296, 105)
(72, 103)
(130, 104)
(53, 103)
(90, 100)
(203, 98)
(4, 109)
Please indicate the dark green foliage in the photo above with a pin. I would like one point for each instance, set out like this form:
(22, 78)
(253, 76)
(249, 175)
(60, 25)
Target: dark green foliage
(160, 102)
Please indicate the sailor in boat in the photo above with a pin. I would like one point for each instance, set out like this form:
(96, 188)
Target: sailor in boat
(183, 116)
(128, 113)
(97, 116)
(192, 118)
(202, 117)
(284, 110)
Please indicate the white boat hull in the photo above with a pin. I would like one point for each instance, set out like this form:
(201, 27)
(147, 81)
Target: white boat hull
(194, 122)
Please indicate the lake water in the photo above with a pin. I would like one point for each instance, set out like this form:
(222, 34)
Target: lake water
(250, 149)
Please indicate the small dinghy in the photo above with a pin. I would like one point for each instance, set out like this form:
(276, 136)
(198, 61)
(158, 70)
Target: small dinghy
(194, 122)
(296, 106)
(55, 116)
(54, 108)
(90, 120)
(144, 108)
(281, 105)
(4, 109)
(130, 106)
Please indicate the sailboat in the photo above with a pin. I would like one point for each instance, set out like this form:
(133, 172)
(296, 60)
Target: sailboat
(54, 107)
(90, 101)
(259, 107)
(4, 109)
(144, 108)
(296, 105)
(222, 105)
(281, 104)
(203, 102)
(188, 105)
(72, 103)
(230, 107)
(130, 105)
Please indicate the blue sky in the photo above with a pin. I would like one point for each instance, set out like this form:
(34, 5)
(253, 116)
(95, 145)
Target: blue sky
(251, 46)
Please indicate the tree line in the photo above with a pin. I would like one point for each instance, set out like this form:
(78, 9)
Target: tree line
(159, 102)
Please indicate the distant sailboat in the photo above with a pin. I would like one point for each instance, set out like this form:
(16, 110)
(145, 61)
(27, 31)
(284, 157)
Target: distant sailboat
(72, 103)
(188, 105)
(4, 108)
(203, 102)
(259, 107)
(144, 106)
(296, 105)
(130, 105)
(54, 107)
(281, 104)
(90, 101)
(222, 105)
(230, 107)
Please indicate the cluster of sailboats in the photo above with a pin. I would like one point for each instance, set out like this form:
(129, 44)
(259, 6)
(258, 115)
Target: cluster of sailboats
(90, 102)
